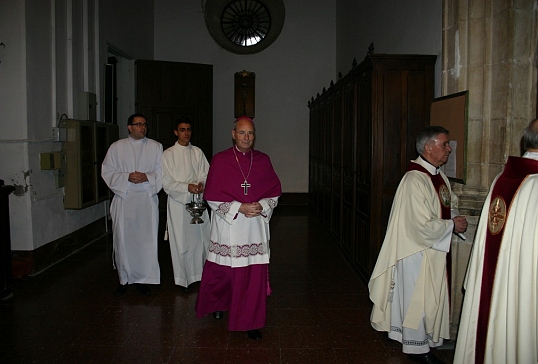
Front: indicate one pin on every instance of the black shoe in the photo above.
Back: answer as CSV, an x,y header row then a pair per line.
x,y
144,289
122,288
427,358
254,334
218,314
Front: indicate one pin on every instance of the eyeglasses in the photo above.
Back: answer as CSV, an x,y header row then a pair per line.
x,y
145,125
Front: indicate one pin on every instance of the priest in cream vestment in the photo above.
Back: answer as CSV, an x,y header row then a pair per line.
x,y
499,316
185,170
408,286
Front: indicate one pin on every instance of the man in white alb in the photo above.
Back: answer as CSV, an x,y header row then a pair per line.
x,y
132,170
185,170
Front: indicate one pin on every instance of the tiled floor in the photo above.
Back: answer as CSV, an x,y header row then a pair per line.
x,y
318,312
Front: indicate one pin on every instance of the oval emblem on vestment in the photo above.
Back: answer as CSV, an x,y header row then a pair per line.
x,y
496,215
444,195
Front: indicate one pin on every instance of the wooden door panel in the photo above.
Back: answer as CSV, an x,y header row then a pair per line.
x,y
172,80
392,118
201,81
168,90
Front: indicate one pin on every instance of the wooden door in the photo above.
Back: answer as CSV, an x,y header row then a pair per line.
x,y
167,90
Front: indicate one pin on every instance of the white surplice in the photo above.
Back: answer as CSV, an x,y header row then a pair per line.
x,y
409,285
134,208
188,242
237,240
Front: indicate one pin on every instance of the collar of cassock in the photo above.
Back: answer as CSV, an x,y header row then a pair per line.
x,y
430,167
244,153
531,155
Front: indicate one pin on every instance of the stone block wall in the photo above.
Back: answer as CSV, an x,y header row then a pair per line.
x,y
489,50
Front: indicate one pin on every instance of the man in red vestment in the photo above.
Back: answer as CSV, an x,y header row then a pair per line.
x,y
499,315
242,189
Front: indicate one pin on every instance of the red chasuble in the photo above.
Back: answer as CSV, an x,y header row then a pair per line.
x,y
443,192
227,176
506,187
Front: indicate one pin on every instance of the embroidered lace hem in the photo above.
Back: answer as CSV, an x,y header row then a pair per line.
x,y
238,251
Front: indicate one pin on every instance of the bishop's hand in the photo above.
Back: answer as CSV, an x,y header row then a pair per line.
x,y
252,209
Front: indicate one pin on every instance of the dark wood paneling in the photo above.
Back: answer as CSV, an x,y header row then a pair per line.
x,y
362,137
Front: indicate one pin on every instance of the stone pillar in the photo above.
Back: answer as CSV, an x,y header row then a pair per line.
x,y
489,49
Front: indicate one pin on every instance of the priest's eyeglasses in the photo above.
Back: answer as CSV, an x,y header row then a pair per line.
x,y
145,125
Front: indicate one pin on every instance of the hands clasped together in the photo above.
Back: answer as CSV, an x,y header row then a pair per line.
x,y
138,177
252,209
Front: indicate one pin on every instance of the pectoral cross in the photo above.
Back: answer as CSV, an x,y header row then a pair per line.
x,y
245,186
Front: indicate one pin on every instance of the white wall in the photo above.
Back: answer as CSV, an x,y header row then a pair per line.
x,y
394,26
13,102
52,52
288,73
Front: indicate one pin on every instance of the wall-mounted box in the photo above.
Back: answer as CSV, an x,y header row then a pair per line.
x,y
51,160
85,148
